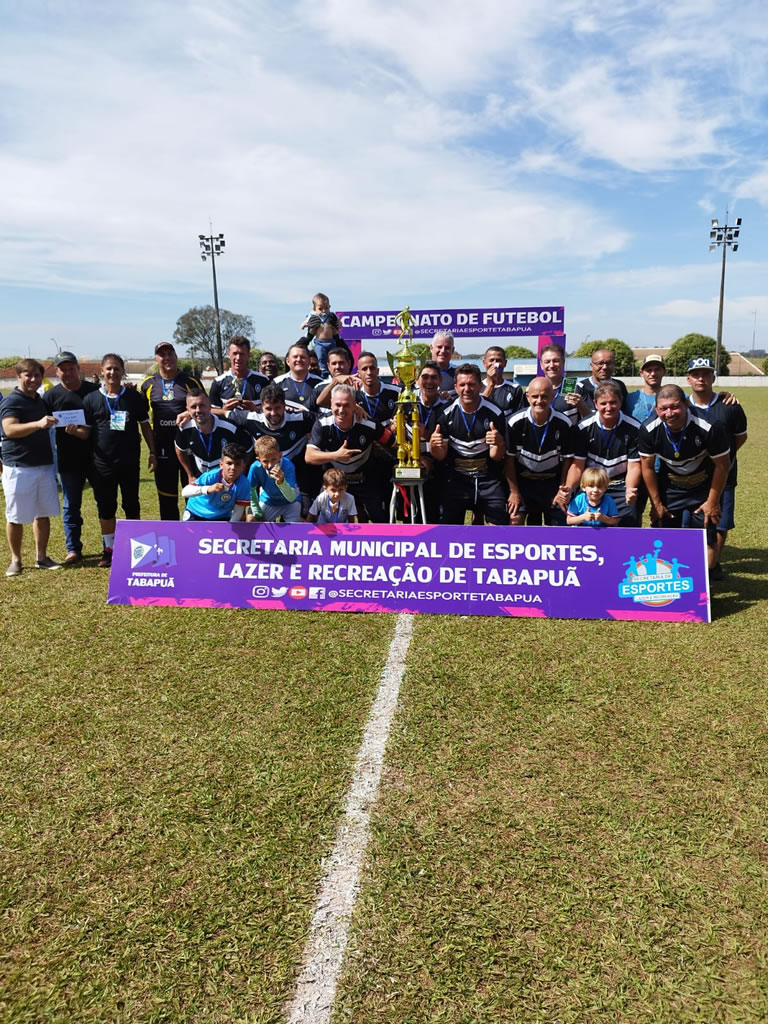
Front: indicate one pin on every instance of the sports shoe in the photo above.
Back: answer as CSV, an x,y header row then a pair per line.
x,y
716,573
73,557
105,561
14,569
47,563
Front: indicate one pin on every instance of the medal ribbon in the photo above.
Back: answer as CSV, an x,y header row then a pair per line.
x,y
372,411
671,440
540,440
113,408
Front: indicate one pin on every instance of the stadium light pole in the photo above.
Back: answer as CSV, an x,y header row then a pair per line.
x,y
725,235
213,246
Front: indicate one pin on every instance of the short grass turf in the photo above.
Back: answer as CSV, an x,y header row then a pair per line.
x,y
574,821
170,781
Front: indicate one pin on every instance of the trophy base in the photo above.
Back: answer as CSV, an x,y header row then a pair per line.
x,y
408,473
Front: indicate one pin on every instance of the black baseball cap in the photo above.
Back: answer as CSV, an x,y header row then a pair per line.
x,y
64,357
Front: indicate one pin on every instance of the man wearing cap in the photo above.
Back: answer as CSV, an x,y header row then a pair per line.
x,y
166,391
693,460
73,448
716,409
642,403
239,387
29,479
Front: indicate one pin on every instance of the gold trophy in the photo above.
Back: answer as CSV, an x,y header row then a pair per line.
x,y
406,366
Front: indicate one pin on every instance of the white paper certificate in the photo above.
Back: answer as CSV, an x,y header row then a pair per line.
x,y
64,417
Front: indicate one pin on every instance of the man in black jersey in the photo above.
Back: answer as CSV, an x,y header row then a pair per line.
x,y
73,449
166,392
716,408
340,440
268,365
430,405
291,428
608,440
239,386
603,363
378,402
540,443
694,459
505,394
298,383
441,349
469,441
200,441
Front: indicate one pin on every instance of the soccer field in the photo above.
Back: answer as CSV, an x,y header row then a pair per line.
x,y
572,823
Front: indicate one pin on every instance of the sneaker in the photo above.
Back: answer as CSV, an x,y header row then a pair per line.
x,y
716,572
73,557
47,563
105,561
14,569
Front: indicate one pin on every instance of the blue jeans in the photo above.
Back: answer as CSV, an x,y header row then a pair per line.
x,y
72,485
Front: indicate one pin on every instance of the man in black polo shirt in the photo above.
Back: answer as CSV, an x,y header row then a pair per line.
x,y
200,440
29,479
694,459
298,383
716,408
239,386
441,349
505,394
340,440
291,428
540,443
608,440
469,441
603,363
73,449
166,392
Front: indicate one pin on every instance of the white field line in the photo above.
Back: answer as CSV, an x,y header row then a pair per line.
x,y
324,952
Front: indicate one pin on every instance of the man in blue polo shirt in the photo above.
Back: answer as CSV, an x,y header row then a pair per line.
x,y
29,478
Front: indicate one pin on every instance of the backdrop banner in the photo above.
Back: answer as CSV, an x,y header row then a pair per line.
x,y
507,322
550,572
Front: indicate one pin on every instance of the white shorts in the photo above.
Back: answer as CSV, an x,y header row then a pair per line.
x,y
30,493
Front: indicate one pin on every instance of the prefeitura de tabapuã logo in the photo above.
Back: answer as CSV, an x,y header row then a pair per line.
x,y
655,581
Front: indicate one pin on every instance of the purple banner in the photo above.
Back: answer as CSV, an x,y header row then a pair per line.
x,y
548,572
512,322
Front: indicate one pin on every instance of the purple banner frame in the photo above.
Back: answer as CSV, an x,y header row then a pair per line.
x,y
501,322
544,572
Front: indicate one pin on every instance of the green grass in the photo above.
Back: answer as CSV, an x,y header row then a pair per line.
x,y
572,826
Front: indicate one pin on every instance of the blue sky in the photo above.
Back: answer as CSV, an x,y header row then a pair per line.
x,y
436,154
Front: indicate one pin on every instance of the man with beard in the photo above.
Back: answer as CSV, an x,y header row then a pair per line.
x,y
200,441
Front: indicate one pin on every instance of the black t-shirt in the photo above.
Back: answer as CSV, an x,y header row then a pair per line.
x,y
167,398
684,458
291,434
508,396
732,418
586,390
611,450
300,393
327,437
380,408
539,451
227,386
35,449
112,448
74,455
204,450
468,454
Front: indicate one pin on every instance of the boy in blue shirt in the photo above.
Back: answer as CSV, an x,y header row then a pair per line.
x,y
272,479
592,506
222,494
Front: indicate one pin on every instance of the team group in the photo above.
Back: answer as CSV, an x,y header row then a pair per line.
x,y
303,446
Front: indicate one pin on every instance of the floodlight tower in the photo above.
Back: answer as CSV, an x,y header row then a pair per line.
x,y
213,246
725,235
